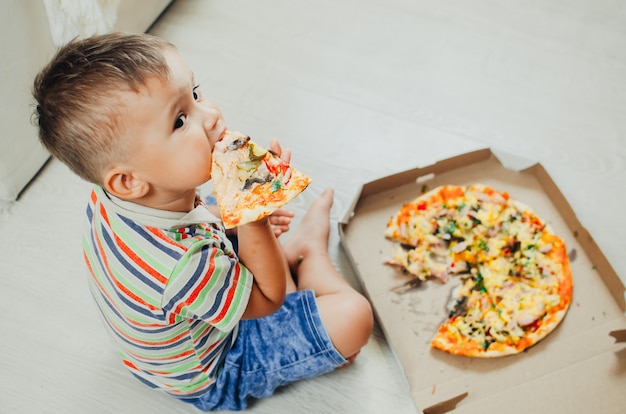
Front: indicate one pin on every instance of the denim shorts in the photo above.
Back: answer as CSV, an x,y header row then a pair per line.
x,y
288,345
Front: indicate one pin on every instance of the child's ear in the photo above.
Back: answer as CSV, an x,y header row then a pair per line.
x,y
125,184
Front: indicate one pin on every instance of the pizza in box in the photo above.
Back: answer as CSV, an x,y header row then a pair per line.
x,y
516,283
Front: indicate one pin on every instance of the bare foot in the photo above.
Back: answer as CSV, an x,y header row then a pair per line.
x,y
312,234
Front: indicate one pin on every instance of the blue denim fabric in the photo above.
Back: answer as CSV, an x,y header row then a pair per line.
x,y
289,345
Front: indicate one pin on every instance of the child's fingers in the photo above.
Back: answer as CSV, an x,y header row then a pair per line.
x,y
281,212
284,154
278,230
280,221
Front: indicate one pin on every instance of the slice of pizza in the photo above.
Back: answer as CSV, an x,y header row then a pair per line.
x,y
251,182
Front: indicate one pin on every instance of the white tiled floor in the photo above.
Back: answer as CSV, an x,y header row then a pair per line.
x,y
357,89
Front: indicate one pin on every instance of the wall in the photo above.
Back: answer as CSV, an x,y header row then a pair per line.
x,y
25,46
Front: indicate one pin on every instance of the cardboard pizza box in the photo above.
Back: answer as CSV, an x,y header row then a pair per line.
x,y
579,367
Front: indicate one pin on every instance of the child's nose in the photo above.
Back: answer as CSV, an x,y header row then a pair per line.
x,y
211,118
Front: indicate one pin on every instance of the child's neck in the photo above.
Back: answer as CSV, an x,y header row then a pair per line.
x,y
168,201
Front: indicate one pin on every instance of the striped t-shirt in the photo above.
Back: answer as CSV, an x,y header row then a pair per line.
x,y
170,289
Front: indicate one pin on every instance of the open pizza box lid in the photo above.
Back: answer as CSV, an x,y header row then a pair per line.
x,y
579,367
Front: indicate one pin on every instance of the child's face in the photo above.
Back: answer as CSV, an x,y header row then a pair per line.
x,y
171,129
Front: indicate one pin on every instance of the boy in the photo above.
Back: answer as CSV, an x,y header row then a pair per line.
x,y
191,316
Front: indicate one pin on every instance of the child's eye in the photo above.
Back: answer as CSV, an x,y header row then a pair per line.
x,y
196,92
180,121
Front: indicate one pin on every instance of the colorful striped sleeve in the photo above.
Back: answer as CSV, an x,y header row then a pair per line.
x,y
209,285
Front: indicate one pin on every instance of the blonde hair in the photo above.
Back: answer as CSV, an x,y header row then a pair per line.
x,y
76,94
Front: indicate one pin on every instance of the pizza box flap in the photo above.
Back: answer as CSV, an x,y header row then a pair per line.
x,y
582,354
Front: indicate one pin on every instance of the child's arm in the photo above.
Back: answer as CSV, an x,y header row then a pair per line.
x,y
261,253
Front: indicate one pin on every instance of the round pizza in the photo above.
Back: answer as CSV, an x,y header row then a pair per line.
x,y
516,283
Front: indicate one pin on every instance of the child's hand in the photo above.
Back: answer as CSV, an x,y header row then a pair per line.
x,y
280,220
275,147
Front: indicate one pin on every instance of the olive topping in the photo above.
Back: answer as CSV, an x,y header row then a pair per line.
x,y
238,143
256,180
